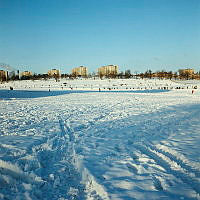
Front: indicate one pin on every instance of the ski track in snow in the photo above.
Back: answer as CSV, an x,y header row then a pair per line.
x,y
100,146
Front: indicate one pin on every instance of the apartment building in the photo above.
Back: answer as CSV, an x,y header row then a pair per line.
x,y
186,73
80,71
26,73
54,72
109,70
3,75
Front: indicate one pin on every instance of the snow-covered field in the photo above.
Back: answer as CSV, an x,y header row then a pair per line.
x,y
133,139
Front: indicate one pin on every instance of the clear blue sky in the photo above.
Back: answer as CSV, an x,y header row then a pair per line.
x,y
38,35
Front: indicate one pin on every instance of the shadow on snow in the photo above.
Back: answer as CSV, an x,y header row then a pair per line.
x,y
20,94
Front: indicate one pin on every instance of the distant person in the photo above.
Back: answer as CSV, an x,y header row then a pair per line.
x,y
11,88
192,91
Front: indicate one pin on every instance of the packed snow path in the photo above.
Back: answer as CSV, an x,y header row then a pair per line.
x,y
101,146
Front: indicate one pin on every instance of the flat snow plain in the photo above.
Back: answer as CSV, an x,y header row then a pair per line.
x,y
133,139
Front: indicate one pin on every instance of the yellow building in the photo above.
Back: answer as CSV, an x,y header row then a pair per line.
x,y
186,73
54,72
26,73
3,75
80,71
109,70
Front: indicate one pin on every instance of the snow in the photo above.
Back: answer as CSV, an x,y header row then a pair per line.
x,y
133,139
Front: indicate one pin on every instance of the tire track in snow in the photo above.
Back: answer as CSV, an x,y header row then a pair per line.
x,y
169,163
170,166
177,160
49,169
93,189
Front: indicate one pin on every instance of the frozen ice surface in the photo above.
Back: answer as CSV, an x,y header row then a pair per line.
x,y
135,139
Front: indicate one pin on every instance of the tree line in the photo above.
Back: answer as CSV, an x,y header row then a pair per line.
x,y
121,75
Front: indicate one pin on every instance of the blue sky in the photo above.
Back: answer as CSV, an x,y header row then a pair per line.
x,y
38,35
